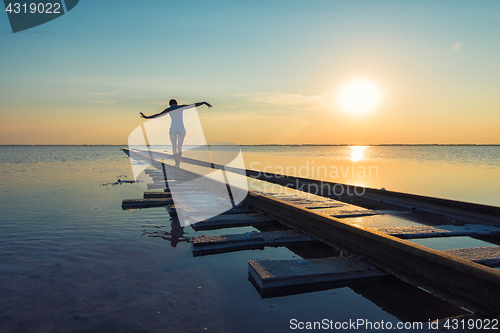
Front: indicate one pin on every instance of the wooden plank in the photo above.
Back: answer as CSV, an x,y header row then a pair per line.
x,y
218,218
346,212
314,204
461,282
250,240
228,221
286,273
161,176
426,231
150,195
170,178
328,206
318,205
161,194
178,188
145,203
488,256
204,211
154,186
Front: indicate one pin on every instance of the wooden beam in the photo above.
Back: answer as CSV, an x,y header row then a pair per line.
x,y
145,203
286,273
463,282
247,241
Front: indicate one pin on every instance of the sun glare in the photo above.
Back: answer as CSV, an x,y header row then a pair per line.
x,y
359,97
357,153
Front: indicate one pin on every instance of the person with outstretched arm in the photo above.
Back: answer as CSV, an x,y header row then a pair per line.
x,y
177,129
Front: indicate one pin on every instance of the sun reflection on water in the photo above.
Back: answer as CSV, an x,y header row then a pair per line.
x,y
357,153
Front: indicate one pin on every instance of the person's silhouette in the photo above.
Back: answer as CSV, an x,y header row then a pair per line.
x,y
177,129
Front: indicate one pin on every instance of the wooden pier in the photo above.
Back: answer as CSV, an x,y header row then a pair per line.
x,y
460,276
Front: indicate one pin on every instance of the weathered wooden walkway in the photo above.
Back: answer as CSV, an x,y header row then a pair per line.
x,y
460,276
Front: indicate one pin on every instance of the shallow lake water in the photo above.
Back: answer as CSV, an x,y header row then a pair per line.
x,y
72,260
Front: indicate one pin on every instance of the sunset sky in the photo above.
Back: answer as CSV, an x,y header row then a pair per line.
x,y
272,70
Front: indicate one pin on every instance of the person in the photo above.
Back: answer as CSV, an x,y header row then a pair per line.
x,y
177,130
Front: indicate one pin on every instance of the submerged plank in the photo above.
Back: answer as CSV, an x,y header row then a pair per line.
x,y
228,221
440,231
488,256
182,188
219,218
145,203
155,186
250,240
207,210
285,273
182,184
149,195
459,281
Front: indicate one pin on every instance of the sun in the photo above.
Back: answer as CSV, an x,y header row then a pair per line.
x,y
359,97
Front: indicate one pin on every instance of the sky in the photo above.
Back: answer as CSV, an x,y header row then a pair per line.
x,y
271,69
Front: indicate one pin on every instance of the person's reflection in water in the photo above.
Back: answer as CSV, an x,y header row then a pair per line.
x,y
175,236
176,233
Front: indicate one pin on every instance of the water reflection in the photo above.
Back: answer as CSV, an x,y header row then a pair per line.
x,y
174,236
357,153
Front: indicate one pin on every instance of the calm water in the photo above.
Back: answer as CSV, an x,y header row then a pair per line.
x,y
72,260
454,172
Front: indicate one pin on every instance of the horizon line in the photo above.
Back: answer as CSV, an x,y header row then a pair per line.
x,y
287,144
